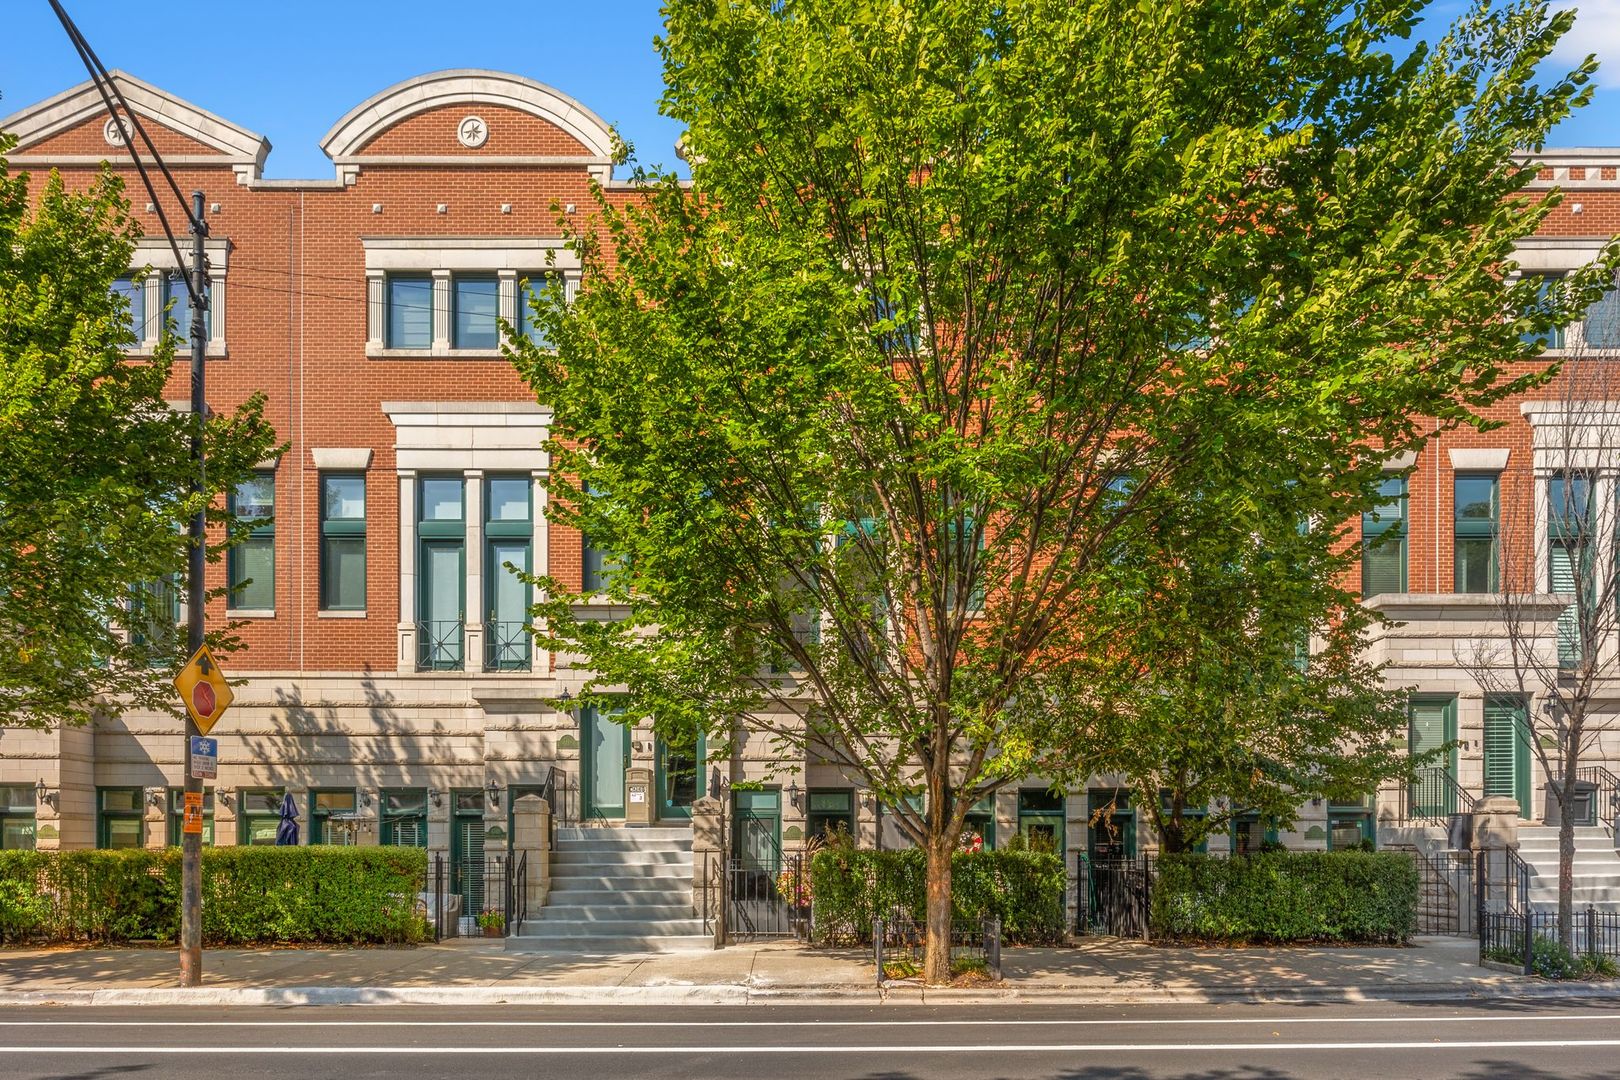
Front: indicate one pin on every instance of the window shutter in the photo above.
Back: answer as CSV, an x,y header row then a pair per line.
x,y
1561,572
1504,721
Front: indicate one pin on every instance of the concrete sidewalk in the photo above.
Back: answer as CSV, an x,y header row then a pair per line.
x,y
1100,971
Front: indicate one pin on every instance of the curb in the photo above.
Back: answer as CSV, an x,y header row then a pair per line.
x,y
739,994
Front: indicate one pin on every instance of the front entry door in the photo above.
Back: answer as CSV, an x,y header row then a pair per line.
x,y
680,774
1433,724
605,744
757,838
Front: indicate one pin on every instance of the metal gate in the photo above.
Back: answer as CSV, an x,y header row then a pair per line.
x,y
756,892
1446,902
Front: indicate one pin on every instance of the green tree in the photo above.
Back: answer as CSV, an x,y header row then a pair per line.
x,y
1243,689
873,412
94,466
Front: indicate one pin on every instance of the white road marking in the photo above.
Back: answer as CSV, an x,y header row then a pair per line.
x,y
965,1022
1003,1048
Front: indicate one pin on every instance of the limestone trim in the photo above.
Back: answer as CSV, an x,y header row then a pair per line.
x,y
1478,460
468,86
334,458
80,103
157,257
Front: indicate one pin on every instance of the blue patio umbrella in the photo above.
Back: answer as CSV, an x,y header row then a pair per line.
x,y
287,831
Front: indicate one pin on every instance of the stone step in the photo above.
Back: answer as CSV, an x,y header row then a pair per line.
x,y
616,847
571,928
611,946
575,832
593,891
1545,832
616,913
600,868
585,857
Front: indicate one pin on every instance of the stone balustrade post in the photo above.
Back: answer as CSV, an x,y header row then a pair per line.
x,y
707,856
1494,832
531,842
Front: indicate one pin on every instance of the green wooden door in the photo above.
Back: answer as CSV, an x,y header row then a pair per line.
x,y
757,829
1433,724
1507,751
605,745
467,849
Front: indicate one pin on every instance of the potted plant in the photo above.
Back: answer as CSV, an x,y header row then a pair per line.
x,y
492,922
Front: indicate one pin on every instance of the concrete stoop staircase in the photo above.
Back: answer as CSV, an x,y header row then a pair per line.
x,y
1597,867
616,890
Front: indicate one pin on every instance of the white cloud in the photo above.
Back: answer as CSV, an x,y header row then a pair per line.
x,y
1596,32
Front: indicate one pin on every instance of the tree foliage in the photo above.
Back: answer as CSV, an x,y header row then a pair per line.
x,y
94,465
970,299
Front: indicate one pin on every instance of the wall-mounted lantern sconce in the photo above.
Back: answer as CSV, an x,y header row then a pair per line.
x,y
493,789
795,796
155,798
436,796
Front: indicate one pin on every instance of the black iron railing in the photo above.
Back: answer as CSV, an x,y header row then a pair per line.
x,y
471,897
508,646
1433,795
1605,795
440,645
1445,891
899,943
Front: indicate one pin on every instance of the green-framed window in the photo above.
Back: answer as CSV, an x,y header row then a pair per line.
x,y
258,816
1040,819
1111,829
1249,832
16,817
981,820
1554,337
1570,544
120,818
132,290
404,818
154,618
175,292
252,562
1383,539
441,568
962,533
827,810
1350,825
1476,511
177,817
474,307
1601,328
410,311
343,542
332,817
508,538
537,285
1189,814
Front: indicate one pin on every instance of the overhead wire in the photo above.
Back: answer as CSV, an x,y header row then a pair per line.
x,y
108,89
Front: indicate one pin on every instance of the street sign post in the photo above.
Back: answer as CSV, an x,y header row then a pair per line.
x,y
204,758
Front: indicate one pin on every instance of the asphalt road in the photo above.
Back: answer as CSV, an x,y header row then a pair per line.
x,y
1522,1041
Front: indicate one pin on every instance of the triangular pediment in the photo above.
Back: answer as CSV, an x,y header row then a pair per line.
x,y
75,122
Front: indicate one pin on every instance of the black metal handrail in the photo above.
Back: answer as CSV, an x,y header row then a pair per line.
x,y
1606,804
1433,794
440,645
508,646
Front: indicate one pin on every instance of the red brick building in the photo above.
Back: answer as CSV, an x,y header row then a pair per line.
x,y
391,689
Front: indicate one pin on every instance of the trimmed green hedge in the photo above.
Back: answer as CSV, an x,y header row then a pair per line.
x,y
251,895
850,888
1286,896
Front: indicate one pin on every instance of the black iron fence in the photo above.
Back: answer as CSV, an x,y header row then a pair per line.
x,y
899,942
1446,903
1114,896
475,896
746,899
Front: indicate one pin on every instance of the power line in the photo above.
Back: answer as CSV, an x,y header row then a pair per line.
x,y
108,89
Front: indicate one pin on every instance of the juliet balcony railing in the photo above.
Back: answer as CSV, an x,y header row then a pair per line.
x,y
440,645
508,646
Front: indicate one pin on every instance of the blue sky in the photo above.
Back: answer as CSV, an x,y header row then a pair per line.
x,y
289,69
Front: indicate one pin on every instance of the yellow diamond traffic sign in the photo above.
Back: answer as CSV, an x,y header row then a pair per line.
x,y
203,690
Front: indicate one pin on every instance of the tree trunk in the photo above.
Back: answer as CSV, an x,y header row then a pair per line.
x,y
937,958
1566,854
